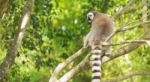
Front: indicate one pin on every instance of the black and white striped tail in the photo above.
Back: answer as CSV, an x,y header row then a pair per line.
x,y
96,65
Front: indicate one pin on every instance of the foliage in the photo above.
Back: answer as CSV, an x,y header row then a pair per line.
x,y
56,31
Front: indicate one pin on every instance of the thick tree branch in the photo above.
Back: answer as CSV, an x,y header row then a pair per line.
x,y
79,67
12,51
128,76
126,49
62,65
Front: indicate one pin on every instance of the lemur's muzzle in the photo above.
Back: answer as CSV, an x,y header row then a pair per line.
x,y
89,19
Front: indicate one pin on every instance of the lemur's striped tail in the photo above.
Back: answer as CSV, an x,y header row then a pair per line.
x,y
96,65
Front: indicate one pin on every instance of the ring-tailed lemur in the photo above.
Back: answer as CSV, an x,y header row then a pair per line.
x,y
101,29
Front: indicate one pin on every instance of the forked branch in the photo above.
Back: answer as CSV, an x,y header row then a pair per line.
x,y
61,66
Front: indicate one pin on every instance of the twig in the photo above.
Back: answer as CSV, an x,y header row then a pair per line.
x,y
125,9
7,41
127,42
128,76
125,28
131,27
119,13
128,48
139,20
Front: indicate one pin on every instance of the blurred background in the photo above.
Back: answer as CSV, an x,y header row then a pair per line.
x,y
56,30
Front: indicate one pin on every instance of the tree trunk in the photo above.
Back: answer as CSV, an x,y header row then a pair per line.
x,y
12,51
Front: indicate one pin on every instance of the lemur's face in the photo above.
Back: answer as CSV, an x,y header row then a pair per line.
x,y
90,17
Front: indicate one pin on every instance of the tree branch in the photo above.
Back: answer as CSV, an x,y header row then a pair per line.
x,y
128,76
3,7
79,67
12,51
118,14
145,15
125,28
125,9
138,20
126,49
62,65
127,42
